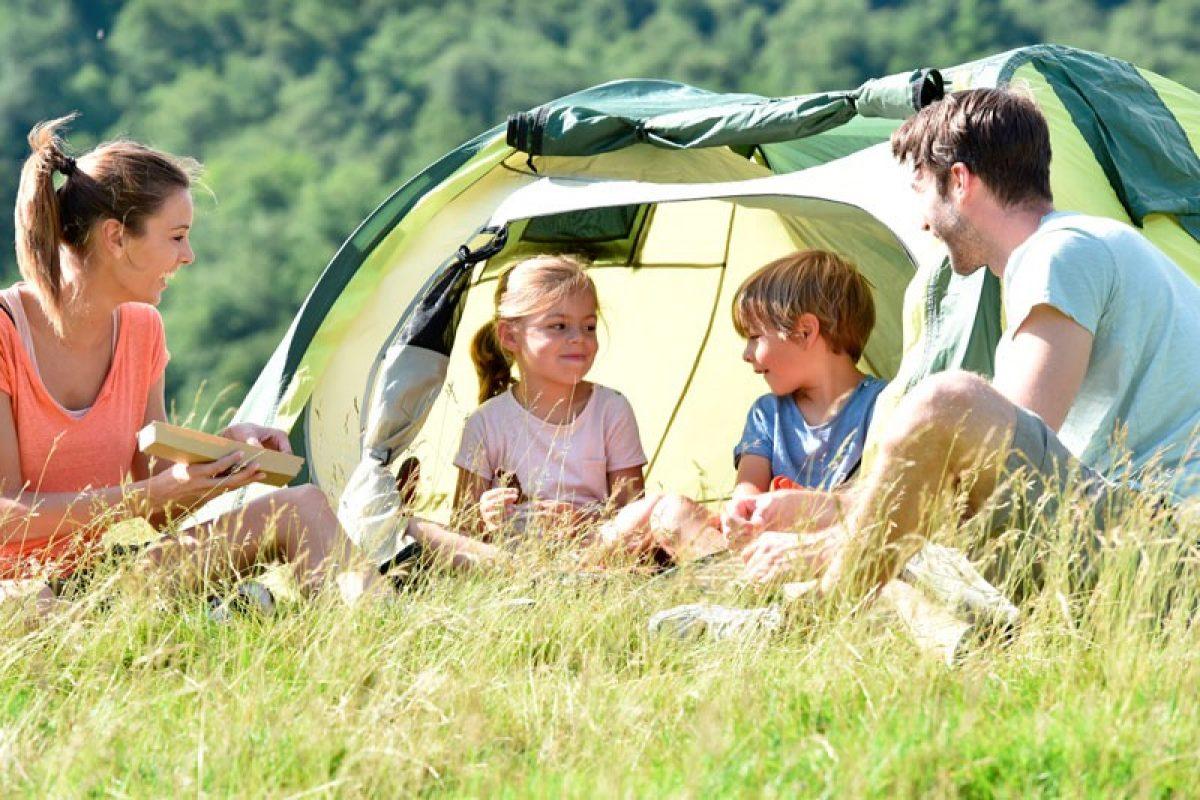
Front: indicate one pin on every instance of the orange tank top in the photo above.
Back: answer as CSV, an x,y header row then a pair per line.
x,y
62,451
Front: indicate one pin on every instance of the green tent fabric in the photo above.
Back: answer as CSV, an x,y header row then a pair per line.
x,y
1143,149
830,167
675,116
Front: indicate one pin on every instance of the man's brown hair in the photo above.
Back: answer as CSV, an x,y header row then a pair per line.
x,y
999,134
813,282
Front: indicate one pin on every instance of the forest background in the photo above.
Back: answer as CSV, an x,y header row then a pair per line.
x,y
309,113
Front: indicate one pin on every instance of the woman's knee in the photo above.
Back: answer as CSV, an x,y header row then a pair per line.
x,y
307,501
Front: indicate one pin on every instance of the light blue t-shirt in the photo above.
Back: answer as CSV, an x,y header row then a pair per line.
x,y
818,456
1139,398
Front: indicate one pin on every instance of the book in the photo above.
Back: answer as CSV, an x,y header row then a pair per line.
x,y
184,445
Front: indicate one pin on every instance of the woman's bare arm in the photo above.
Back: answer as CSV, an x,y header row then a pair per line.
x,y
29,517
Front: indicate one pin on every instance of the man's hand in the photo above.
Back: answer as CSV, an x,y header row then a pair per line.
x,y
775,555
259,436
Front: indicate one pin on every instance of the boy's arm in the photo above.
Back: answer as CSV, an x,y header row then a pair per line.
x,y
753,475
753,478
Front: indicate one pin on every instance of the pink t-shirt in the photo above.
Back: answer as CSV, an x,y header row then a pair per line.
x,y
65,452
569,462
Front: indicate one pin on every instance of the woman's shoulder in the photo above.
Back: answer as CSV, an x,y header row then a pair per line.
x,y
142,315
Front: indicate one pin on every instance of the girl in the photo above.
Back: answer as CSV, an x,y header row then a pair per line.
x,y
82,358
550,446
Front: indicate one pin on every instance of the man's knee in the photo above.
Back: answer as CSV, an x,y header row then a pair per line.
x,y
941,407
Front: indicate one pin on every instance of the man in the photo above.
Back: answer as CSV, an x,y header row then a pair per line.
x,y
1102,347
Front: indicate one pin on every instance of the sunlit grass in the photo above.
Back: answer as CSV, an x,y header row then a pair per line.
x,y
459,685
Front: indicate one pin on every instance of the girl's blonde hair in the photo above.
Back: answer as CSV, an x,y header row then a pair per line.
x,y
531,287
119,180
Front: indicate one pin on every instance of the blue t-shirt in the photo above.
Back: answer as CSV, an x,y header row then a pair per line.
x,y
817,456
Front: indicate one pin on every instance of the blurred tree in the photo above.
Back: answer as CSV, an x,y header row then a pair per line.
x,y
308,113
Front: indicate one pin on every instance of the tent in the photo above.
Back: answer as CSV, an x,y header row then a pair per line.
x,y
677,194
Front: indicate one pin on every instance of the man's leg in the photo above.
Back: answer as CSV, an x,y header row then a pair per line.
x,y
949,437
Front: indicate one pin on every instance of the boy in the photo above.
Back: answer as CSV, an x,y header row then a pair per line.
x,y
806,318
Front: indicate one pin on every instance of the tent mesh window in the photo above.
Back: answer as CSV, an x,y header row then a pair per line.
x,y
588,226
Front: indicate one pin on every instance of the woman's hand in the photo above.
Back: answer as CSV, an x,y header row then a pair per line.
x,y
189,485
496,507
259,436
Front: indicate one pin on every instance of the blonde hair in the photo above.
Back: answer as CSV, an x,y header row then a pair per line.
x,y
813,282
119,180
531,287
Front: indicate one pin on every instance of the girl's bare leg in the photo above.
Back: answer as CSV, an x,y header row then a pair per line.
x,y
678,525
459,551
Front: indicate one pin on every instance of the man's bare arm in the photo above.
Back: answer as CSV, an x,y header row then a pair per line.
x,y
1045,365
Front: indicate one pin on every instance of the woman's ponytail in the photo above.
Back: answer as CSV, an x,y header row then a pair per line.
x,y
38,215
119,180
491,363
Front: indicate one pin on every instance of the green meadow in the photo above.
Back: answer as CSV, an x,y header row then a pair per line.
x,y
537,680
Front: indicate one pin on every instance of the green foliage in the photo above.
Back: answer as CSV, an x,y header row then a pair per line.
x,y
308,114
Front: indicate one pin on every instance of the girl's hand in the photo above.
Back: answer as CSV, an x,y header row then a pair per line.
x,y
259,436
496,507
189,485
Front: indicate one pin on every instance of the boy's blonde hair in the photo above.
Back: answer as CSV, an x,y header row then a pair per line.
x,y
813,282
534,285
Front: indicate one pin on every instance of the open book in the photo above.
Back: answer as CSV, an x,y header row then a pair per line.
x,y
173,443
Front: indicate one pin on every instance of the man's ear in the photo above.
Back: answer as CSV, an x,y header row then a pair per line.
x,y
962,182
112,236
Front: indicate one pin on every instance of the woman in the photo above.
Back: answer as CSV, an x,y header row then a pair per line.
x,y
82,359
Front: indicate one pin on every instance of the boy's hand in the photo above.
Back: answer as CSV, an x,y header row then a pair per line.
x,y
737,521
496,506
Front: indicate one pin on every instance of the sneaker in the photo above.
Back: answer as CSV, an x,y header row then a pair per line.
x,y
716,622
250,597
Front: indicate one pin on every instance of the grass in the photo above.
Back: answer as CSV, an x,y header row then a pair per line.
x,y
452,688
